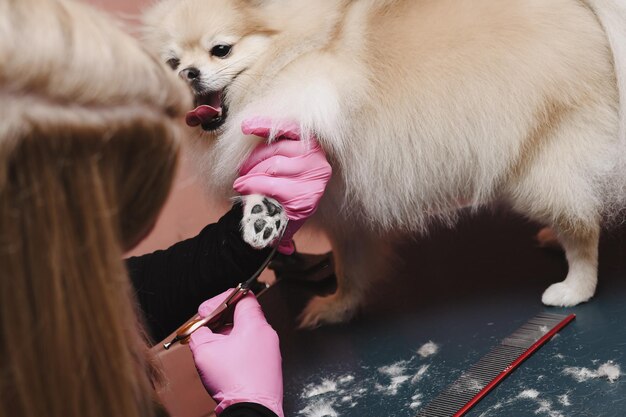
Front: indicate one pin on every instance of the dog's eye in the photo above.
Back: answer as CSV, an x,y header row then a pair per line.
x,y
221,51
173,63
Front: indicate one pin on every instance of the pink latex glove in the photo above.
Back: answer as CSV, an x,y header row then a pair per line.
x,y
291,171
242,364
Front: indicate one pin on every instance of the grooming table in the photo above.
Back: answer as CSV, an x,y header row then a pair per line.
x,y
464,289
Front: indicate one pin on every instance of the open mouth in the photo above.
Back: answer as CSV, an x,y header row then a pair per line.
x,y
209,113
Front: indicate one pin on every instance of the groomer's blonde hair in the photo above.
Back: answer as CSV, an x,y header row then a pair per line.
x,y
88,150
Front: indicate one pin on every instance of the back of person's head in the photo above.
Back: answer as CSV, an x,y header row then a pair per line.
x,y
88,150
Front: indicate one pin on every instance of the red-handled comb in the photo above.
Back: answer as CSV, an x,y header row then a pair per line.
x,y
474,384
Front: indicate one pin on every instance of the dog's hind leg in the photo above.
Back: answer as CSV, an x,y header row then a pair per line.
x,y
564,200
579,236
560,184
581,251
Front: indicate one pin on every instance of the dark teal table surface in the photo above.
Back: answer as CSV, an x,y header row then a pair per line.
x,y
464,289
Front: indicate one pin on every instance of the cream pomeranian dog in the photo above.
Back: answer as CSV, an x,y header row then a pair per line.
x,y
422,107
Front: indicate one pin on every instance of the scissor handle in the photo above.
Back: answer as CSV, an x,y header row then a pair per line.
x,y
213,321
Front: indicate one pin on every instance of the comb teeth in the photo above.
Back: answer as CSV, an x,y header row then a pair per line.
x,y
484,375
533,330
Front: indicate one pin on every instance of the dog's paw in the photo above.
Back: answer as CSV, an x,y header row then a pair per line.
x,y
564,294
263,220
326,310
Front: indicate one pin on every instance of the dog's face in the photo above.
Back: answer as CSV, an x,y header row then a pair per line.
x,y
212,45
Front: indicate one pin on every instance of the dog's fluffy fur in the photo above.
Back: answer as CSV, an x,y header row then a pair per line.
x,y
423,106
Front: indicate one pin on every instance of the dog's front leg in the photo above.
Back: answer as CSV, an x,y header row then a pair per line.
x,y
360,260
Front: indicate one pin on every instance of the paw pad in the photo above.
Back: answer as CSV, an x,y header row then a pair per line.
x,y
263,220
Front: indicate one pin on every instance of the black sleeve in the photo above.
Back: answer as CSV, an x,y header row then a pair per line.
x,y
170,284
247,410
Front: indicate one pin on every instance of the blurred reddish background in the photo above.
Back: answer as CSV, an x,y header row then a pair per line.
x,y
187,211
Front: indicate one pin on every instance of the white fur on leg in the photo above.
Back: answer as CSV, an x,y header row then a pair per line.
x,y
263,221
567,293
580,284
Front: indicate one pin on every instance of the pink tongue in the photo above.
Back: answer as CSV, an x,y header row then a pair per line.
x,y
201,114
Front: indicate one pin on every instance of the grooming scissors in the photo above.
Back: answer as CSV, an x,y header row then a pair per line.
x,y
216,319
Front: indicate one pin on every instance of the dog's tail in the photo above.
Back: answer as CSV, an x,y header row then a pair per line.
x,y
612,17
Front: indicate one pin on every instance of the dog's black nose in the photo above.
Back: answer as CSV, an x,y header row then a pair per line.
x,y
190,73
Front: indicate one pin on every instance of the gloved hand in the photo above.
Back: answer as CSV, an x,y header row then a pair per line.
x,y
289,170
242,364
